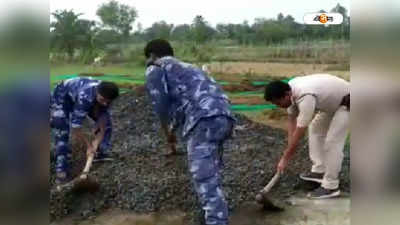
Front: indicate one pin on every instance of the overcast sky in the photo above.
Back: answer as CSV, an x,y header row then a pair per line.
x,y
214,11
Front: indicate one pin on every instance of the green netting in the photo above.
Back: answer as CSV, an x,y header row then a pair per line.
x,y
63,77
263,83
255,93
224,82
123,78
252,107
124,90
116,78
259,83
127,79
247,93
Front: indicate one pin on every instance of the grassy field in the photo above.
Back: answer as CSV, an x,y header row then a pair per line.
x,y
309,52
237,71
134,70
229,71
235,64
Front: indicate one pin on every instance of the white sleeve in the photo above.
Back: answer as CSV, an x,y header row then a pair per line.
x,y
306,106
293,110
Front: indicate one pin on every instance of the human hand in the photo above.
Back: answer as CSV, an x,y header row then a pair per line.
x,y
283,162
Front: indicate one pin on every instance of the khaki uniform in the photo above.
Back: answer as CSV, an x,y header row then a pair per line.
x,y
317,103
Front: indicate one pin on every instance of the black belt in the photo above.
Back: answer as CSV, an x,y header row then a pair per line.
x,y
346,101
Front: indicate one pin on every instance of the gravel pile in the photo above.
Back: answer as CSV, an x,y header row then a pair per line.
x,y
142,180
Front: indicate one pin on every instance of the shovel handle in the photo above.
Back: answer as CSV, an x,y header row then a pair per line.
x,y
271,183
86,170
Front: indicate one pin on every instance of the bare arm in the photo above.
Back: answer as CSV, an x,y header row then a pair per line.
x,y
171,139
298,125
291,127
296,129
291,149
99,133
296,137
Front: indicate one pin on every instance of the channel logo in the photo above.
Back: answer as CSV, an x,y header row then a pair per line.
x,y
323,18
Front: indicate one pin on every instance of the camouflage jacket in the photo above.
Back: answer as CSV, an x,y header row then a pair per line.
x,y
182,94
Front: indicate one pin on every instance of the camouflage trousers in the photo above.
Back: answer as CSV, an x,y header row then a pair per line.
x,y
205,148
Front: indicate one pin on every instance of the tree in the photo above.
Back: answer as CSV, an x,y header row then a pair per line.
x,y
68,32
159,30
118,17
280,17
201,31
343,30
242,33
289,20
139,27
271,31
340,9
181,32
105,37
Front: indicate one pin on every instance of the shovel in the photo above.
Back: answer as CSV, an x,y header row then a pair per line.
x,y
263,198
83,183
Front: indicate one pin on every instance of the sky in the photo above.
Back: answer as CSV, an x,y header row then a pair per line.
x,y
214,11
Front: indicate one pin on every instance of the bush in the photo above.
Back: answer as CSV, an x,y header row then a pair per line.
x,y
113,54
192,52
136,56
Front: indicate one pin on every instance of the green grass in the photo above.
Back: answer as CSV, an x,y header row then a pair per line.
x,y
134,71
316,51
333,52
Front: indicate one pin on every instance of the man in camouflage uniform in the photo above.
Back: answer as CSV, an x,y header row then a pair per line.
x,y
71,102
183,96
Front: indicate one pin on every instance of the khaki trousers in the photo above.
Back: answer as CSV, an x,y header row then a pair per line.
x,y
327,137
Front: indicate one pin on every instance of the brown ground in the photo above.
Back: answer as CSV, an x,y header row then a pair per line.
x,y
276,118
235,71
137,88
140,90
253,100
127,85
239,88
91,74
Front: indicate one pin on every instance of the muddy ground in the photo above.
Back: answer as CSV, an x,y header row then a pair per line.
x,y
234,71
142,180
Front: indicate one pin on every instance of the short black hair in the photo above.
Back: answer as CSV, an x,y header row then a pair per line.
x,y
159,48
108,90
276,90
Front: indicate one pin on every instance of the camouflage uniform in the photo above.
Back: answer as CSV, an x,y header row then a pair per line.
x,y
183,96
72,100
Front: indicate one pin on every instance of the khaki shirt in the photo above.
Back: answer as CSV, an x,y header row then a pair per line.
x,y
313,93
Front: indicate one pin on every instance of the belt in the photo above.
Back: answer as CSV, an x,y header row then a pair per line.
x,y
346,101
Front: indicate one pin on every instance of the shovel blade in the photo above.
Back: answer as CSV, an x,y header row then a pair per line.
x,y
267,203
86,185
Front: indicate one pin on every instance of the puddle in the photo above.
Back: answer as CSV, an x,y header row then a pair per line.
x,y
300,211
117,217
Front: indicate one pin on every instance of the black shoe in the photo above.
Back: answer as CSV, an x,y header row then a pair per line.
x,y
102,157
315,177
322,193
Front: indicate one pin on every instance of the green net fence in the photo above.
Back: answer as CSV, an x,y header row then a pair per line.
x,y
129,80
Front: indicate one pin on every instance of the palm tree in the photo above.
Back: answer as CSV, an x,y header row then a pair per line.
x,y
67,31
